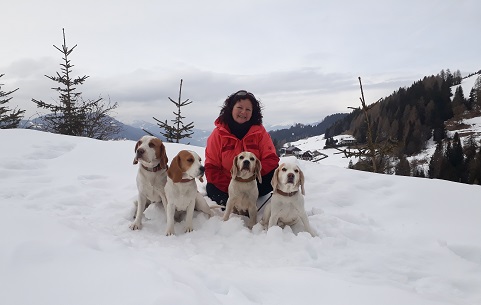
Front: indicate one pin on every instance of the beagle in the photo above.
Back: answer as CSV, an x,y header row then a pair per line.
x,y
151,156
181,189
242,188
287,203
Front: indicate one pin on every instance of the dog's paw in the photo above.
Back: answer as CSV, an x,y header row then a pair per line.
x,y
135,226
189,229
313,234
169,232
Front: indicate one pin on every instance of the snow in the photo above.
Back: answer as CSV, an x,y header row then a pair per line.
x,y
67,205
335,157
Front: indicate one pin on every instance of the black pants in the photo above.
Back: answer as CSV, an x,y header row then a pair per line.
x,y
221,198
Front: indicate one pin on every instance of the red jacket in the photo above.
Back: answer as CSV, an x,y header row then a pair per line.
x,y
223,146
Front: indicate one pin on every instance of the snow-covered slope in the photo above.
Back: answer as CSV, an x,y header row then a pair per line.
x,y
67,205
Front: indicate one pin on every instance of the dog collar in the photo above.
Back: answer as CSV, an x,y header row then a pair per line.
x,y
245,180
290,194
153,169
186,180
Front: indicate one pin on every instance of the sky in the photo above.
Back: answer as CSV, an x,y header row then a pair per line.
x,y
301,59
68,203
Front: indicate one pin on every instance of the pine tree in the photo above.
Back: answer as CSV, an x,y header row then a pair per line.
x,y
9,118
73,115
477,92
457,155
457,160
448,170
436,161
403,167
476,168
470,150
178,130
457,77
67,116
459,102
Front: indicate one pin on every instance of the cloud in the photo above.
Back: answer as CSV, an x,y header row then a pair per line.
x,y
304,95
301,59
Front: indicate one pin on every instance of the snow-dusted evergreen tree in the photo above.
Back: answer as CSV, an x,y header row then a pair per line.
x,y
475,94
459,102
177,131
436,162
73,115
9,118
403,168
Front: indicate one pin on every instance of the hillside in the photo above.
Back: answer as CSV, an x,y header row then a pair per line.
x,y
411,116
302,131
67,238
419,117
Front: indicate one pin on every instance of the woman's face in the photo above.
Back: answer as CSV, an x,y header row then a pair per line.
x,y
242,111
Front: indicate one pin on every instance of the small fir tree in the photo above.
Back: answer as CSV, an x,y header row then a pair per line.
x,y
66,117
73,115
9,118
459,102
178,130
436,161
403,167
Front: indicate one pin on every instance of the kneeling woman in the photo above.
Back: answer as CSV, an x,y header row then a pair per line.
x,y
238,128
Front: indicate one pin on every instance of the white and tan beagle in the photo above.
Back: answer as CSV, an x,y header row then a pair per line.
x,y
242,189
151,156
287,203
181,189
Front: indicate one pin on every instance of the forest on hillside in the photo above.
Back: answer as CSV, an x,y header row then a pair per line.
x,y
410,117
300,131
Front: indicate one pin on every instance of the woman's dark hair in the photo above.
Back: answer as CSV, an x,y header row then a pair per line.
x,y
225,115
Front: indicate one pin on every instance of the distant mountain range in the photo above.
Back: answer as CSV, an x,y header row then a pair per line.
x,y
303,131
134,131
199,137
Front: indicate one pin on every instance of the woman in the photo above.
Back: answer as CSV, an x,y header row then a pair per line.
x,y
238,128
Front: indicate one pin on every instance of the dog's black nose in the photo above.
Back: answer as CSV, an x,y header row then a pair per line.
x,y
140,152
202,169
246,164
290,177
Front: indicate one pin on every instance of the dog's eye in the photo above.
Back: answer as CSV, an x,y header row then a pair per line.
x,y
252,159
296,171
241,157
151,145
284,169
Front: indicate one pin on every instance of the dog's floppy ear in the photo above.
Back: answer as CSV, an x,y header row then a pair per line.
x,y
301,181
234,170
163,156
275,178
258,169
175,171
135,150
